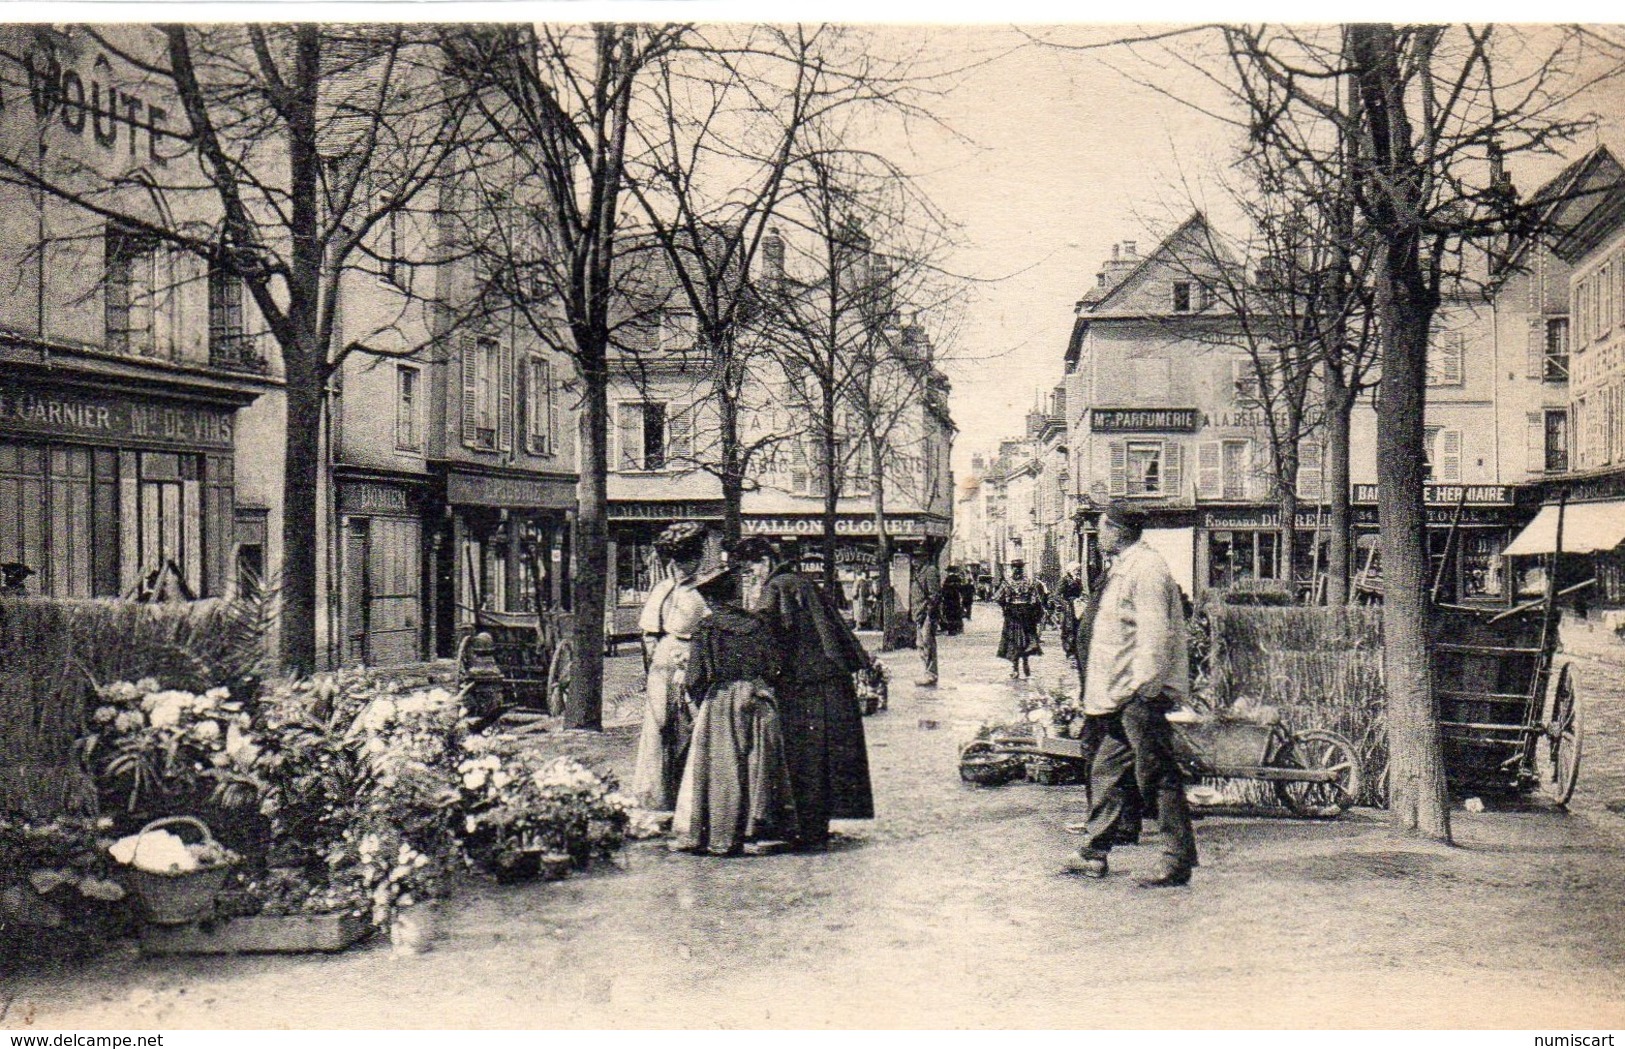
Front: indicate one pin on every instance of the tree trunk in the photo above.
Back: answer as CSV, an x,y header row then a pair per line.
x,y
1416,781
305,367
301,475
832,489
585,707
732,473
1339,416
883,554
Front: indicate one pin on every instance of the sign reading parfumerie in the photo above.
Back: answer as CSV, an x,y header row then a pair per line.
x,y
1143,420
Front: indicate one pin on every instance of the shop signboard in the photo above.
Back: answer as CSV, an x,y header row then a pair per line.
x,y
1144,420
69,414
1448,494
520,493
795,527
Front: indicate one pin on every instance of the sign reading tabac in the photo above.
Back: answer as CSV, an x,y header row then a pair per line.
x,y
1143,420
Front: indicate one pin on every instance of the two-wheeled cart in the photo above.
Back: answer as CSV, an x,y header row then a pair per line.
x,y
1315,773
1509,702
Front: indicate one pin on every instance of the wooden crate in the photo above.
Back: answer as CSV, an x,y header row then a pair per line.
x,y
257,934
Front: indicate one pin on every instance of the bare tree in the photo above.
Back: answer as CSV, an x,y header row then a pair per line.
x,y
292,145
558,99
1407,115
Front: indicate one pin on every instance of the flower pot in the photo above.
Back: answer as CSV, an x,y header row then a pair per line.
x,y
414,930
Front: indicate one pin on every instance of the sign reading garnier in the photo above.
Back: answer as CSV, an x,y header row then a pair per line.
x,y
1143,420
70,414
1477,494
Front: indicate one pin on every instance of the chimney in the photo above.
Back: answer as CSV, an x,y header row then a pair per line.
x,y
1128,249
773,255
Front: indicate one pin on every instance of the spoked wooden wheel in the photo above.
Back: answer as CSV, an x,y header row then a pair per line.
x,y
1321,751
1561,745
560,673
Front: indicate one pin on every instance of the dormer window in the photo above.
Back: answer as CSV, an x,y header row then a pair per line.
x,y
1182,296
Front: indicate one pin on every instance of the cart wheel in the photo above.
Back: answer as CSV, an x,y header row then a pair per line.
x,y
1564,735
1319,749
560,672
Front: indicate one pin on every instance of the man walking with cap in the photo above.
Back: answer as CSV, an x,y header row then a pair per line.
x,y
1137,671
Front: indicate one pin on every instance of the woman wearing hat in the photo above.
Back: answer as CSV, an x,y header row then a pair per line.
x,y
818,703
1022,601
736,794
668,621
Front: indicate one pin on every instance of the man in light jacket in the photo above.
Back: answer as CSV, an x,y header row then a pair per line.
x,y
1137,671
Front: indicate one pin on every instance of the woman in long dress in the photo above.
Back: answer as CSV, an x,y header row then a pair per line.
x,y
668,621
736,793
1022,602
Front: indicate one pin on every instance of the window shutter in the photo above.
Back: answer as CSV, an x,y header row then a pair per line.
x,y
1455,353
1173,469
1450,456
1536,365
550,402
680,435
471,391
1535,442
1210,470
1311,471
629,436
505,388
1260,481
1119,468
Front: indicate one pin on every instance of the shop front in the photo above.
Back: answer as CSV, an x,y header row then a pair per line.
x,y
1590,512
380,550
110,489
857,549
505,546
1469,528
634,568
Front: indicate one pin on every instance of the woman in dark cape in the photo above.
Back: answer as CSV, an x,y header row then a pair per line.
x,y
736,794
818,704
1022,602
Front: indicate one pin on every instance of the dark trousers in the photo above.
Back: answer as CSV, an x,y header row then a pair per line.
x,y
1137,750
927,641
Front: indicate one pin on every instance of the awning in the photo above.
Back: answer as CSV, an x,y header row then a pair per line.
x,y
1587,527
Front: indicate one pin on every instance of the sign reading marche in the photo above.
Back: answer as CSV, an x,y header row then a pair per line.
x,y
1143,420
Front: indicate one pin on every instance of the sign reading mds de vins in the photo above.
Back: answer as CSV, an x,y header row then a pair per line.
x,y
70,414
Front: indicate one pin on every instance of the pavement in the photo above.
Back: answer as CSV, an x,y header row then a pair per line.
x,y
951,910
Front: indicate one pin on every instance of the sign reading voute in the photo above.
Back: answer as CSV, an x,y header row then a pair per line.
x,y
72,414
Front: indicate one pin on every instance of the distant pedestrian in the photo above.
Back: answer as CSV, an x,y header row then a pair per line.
x,y
670,615
925,607
951,607
1069,593
1022,602
14,579
818,703
1138,671
967,591
736,793
863,602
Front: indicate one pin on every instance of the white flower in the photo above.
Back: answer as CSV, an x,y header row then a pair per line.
x,y
128,721
474,779
167,712
240,745
217,693
208,731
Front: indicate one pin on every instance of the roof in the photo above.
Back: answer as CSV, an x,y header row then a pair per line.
x,y
1565,209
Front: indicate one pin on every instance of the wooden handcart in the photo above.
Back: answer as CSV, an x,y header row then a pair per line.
x,y
1509,702
1315,774
536,652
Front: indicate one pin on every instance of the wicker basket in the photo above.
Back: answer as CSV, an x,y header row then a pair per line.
x,y
981,764
182,896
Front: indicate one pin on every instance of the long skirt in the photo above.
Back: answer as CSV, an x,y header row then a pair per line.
x,y
1020,637
663,741
736,785
829,760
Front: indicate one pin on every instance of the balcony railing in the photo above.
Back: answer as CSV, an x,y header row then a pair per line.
x,y
237,353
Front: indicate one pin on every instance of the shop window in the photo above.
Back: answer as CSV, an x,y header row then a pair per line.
x,y
408,381
653,435
168,522
139,290
636,569
541,406
1243,556
1555,440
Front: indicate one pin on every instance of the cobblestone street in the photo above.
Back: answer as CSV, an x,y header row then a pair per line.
x,y
949,910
